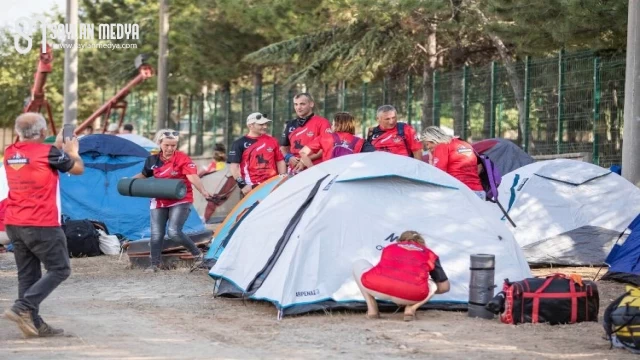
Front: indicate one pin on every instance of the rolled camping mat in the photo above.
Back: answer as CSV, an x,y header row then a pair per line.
x,y
172,189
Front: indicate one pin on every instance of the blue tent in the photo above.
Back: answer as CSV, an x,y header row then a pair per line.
x,y
623,260
94,194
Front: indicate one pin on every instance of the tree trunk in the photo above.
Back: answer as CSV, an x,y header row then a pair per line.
x,y
228,122
486,124
427,78
257,89
514,79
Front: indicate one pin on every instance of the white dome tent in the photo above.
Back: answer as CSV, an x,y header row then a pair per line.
x,y
297,247
568,212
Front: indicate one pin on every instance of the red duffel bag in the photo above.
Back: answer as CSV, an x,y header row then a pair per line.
x,y
556,299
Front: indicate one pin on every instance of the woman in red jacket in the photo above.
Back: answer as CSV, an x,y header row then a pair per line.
x,y
453,156
408,274
343,134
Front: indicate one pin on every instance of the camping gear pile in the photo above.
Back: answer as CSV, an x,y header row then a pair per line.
x,y
622,320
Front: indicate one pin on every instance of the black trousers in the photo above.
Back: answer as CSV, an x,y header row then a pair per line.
x,y
33,246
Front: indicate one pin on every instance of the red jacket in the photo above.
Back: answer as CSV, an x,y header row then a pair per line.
x,y
403,271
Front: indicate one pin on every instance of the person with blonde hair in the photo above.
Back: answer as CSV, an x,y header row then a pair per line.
x,y
170,163
342,135
453,156
408,274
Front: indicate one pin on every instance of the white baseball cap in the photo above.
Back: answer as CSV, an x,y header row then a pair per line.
x,y
257,118
113,127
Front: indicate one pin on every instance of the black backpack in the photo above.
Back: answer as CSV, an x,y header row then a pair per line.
x,y
83,238
400,126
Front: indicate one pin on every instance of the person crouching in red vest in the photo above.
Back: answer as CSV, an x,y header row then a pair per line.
x,y
408,274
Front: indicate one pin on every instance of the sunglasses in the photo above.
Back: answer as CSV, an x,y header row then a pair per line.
x,y
171,133
260,116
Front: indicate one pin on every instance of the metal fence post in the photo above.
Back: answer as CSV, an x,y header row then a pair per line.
x,y
259,99
527,102
384,90
492,122
364,109
596,109
409,98
560,100
344,95
179,109
273,106
190,123
465,102
436,98
324,103
200,135
290,106
215,117
228,134
243,103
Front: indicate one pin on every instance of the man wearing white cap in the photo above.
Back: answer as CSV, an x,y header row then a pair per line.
x,y
256,156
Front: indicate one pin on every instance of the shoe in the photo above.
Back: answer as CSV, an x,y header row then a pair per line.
x,y
24,321
45,330
152,269
198,263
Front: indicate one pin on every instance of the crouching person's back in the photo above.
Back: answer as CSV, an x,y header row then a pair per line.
x,y
408,274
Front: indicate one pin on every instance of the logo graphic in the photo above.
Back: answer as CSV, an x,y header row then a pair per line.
x,y
270,149
410,247
391,238
397,139
247,144
328,131
310,134
24,29
298,144
17,161
260,147
375,136
261,160
464,150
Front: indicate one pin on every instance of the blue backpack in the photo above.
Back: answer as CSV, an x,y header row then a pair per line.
x,y
340,149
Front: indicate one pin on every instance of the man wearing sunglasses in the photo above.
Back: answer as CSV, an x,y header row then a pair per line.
x,y
301,131
255,157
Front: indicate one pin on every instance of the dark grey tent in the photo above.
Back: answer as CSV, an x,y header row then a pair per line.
x,y
505,154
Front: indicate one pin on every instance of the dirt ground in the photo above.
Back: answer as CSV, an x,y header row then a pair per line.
x,y
111,312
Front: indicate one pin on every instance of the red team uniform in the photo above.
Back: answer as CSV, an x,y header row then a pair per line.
x,y
458,160
391,141
257,158
326,143
33,187
299,133
403,272
178,167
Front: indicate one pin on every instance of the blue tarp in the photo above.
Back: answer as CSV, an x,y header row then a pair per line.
x,y
623,260
94,194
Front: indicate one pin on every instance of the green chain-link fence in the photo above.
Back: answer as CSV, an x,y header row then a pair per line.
x,y
572,103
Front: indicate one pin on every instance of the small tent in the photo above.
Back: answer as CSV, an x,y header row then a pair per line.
x,y
504,153
226,228
568,212
624,259
142,141
94,194
296,248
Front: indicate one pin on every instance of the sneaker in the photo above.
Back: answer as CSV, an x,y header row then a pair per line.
x,y
152,269
45,330
24,321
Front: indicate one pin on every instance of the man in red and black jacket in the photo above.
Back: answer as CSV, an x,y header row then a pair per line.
x,y
32,218
255,157
393,136
300,131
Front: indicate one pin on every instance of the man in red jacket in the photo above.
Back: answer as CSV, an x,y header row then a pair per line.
x,y
255,157
32,218
393,136
300,131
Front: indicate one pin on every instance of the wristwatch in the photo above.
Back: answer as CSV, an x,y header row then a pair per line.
x,y
241,182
